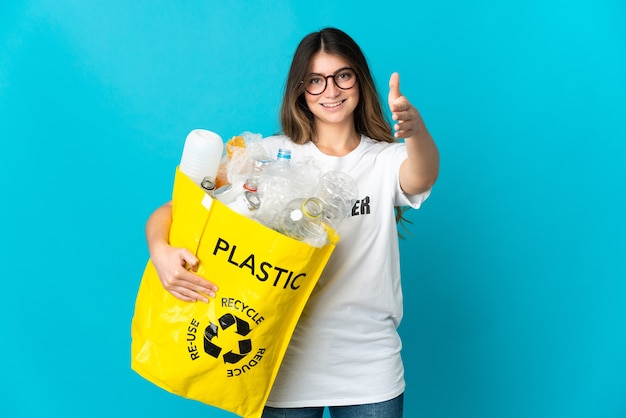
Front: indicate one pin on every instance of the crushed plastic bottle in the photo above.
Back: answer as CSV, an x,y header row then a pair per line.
x,y
301,219
274,185
338,192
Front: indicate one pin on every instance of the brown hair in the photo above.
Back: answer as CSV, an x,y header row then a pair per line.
x,y
296,118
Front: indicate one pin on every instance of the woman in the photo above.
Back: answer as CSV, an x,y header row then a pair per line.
x,y
345,351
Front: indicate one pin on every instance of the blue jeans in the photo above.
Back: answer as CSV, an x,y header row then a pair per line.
x,y
387,409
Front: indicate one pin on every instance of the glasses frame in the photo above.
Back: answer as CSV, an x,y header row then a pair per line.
x,y
326,77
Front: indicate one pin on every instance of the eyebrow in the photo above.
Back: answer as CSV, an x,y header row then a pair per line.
x,y
341,69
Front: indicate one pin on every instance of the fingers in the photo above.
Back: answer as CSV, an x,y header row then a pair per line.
x,y
406,113
176,269
407,118
186,283
188,260
403,130
183,297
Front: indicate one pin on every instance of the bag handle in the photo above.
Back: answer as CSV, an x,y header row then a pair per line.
x,y
191,207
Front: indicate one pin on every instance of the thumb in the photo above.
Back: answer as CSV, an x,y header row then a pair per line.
x,y
394,87
190,260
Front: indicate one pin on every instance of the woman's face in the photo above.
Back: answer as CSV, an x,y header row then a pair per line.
x,y
333,105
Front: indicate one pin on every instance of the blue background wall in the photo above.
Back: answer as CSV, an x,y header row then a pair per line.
x,y
515,275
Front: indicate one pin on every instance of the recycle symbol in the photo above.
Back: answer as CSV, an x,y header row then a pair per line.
x,y
225,322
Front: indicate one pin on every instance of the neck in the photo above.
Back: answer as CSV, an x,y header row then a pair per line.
x,y
336,140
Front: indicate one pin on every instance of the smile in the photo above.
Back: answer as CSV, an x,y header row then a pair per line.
x,y
332,105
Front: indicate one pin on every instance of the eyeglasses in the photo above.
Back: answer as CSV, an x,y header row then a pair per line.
x,y
315,84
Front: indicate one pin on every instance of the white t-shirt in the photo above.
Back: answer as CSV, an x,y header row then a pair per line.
x,y
345,349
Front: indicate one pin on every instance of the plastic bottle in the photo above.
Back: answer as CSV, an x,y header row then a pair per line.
x,y
208,184
246,204
338,192
240,197
274,186
254,176
301,219
201,155
228,192
283,156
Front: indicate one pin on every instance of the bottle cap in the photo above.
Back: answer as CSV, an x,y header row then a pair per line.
x,y
284,154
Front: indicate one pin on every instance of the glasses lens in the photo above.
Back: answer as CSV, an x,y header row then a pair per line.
x,y
345,78
315,84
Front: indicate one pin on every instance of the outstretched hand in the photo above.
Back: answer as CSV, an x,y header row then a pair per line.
x,y
408,121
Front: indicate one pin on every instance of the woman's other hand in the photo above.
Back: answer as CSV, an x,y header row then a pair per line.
x,y
407,119
176,267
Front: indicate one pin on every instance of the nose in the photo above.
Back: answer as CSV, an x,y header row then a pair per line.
x,y
331,87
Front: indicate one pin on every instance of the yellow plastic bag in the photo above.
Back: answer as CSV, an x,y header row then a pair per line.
x,y
225,353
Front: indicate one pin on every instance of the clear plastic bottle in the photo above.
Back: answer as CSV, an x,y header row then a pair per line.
x,y
338,192
201,155
301,219
253,177
280,168
283,157
274,186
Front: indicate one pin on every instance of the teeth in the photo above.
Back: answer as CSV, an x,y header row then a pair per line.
x,y
332,104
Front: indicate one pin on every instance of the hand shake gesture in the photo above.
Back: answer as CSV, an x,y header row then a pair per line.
x,y
419,171
408,121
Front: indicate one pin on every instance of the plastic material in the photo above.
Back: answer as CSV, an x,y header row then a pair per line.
x,y
201,155
301,220
246,203
338,193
